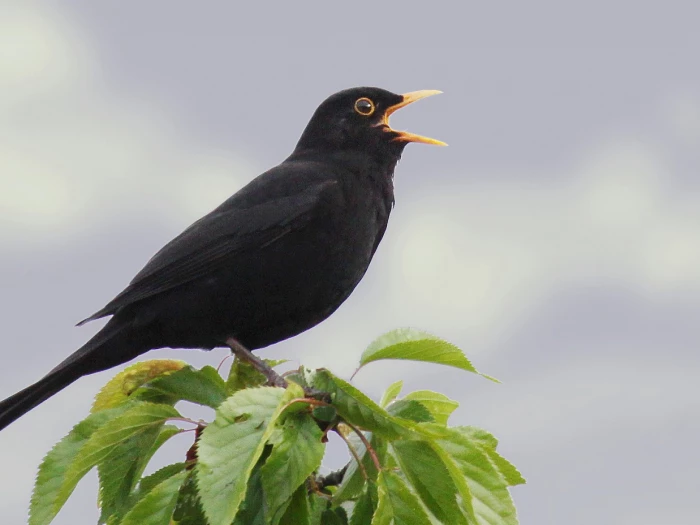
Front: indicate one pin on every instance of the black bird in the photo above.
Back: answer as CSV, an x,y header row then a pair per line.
x,y
272,261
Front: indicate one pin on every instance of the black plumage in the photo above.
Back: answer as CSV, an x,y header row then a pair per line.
x,y
272,261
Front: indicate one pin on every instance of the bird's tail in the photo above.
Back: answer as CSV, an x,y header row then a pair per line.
x,y
109,347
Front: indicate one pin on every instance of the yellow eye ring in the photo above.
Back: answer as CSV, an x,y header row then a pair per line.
x,y
364,106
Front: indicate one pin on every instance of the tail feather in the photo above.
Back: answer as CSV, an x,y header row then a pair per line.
x,y
109,347
23,401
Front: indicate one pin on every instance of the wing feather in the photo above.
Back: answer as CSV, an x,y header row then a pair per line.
x,y
213,240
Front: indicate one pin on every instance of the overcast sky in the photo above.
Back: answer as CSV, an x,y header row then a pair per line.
x,y
556,240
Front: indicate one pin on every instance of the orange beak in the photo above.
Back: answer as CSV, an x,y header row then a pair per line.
x,y
409,98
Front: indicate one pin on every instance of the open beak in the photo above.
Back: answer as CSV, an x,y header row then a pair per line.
x,y
405,136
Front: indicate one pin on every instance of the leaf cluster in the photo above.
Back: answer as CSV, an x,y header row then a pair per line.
x,y
258,461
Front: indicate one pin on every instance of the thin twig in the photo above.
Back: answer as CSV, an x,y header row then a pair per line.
x,y
223,361
246,355
188,420
369,448
354,454
355,372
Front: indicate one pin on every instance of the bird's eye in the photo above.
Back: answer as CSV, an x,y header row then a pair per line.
x,y
364,106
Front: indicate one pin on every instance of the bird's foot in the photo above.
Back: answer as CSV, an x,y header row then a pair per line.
x,y
242,353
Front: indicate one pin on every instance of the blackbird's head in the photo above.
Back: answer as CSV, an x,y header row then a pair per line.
x,y
357,119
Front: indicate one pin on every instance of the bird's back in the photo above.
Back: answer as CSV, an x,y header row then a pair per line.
x,y
272,261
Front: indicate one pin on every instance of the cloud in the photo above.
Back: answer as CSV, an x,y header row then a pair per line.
x,y
681,111
573,400
74,155
490,252
40,54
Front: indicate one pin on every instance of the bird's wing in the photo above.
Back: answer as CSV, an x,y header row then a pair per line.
x,y
211,241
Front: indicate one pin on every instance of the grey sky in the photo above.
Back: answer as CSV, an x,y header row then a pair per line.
x,y
556,240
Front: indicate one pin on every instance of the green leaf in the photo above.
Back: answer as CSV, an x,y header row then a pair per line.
x,y
478,435
298,511
463,488
243,375
509,472
252,509
397,504
432,481
364,507
439,405
48,496
296,454
487,442
148,483
416,345
391,393
157,506
324,413
410,409
204,387
188,509
356,408
334,516
136,419
318,506
300,376
119,389
121,469
491,500
231,445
